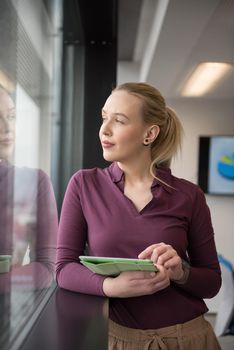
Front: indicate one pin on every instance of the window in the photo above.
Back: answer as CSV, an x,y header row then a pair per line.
x,y
30,59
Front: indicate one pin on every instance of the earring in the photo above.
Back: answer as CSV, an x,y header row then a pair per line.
x,y
146,142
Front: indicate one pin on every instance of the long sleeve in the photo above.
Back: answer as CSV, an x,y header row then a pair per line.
x,y
40,230
32,213
205,276
43,236
47,223
72,237
96,211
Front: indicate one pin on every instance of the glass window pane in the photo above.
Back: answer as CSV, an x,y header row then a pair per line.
x,y
30,59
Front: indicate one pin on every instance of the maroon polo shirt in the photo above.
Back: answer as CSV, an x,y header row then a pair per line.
x,y
28,220
96,212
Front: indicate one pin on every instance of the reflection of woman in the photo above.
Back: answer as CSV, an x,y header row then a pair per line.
x,y
136,207
28,215
7,125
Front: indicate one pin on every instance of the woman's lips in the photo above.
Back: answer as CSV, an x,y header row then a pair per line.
x,y
107,144
6,142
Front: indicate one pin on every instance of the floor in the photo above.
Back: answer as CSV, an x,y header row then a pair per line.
x,y
227,341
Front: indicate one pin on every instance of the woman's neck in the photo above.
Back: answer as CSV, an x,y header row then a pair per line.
x,y
137,172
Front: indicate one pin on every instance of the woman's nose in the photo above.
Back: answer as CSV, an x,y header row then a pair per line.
x,y
106,129
4,125
106,132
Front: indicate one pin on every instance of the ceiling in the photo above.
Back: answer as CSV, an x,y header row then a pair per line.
x,y
166,39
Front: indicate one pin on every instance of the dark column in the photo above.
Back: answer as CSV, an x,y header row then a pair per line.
x,y
89,74
100,34
100,78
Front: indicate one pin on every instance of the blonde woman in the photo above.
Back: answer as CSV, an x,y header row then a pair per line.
x,y
28,213
137,208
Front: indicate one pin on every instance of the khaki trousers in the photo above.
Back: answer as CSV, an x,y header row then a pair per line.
x,y
197,334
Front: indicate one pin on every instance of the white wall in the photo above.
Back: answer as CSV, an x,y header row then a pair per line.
x,y
201,117
128,71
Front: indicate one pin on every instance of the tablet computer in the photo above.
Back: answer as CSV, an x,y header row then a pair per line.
x,y
5,263
112,266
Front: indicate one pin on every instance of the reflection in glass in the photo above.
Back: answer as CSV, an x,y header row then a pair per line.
x,y
28,224
28,211
28,221
82,321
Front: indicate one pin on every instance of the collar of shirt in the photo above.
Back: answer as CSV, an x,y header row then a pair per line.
x,y
164,174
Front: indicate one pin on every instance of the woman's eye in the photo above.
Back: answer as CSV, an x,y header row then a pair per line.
x,y
120,121
11,117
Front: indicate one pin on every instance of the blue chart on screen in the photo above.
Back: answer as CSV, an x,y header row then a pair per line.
x,y
226,166
221,165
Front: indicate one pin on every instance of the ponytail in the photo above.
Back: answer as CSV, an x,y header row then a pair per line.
x,y
155,112
168,141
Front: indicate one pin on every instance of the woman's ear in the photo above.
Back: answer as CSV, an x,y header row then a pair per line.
x,y
152,133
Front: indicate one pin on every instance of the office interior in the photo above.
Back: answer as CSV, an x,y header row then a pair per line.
x,y
59,60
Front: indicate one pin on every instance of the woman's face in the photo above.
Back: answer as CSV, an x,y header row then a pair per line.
x,y
123,131
7,125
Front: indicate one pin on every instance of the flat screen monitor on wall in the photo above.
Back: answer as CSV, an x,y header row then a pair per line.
x,y
216,164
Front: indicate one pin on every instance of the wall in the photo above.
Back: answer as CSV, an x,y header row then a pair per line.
x,y
128,71
201,117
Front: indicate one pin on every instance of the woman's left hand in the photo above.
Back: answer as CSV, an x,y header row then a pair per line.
x,y
165,255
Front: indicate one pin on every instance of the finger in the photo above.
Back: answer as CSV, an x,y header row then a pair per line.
x,y
148,251
138,275
166,256
162,254
150,282
173,262
149,286
161,274
158,283
159,252
161,285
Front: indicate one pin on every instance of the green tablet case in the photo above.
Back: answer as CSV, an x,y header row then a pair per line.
x,y
113,266
5,263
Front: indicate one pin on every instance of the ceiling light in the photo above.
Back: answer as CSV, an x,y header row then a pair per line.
x,y
205,77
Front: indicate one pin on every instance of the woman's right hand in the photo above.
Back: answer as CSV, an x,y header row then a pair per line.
x,y
136,283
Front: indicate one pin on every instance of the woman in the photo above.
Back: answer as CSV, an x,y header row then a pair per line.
x,y
137,208
28,213
7,125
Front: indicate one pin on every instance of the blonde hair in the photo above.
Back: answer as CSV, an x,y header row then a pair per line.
x,y
5,90
155,112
